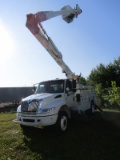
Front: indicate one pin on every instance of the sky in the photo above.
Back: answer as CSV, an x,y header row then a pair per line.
x,y
91,39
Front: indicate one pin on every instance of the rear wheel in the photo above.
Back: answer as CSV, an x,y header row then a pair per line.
x,y
92,108
91,111
62,122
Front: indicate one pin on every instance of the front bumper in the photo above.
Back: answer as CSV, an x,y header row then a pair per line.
x,y
36,120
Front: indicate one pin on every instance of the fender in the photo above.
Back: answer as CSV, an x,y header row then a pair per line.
x,y
66,109
55,104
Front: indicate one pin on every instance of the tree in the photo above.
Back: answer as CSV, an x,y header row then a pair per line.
x,y
99,92
114,72
113,95
105,74
106,80
81,80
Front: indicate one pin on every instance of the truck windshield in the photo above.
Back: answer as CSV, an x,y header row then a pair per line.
x,y
56,86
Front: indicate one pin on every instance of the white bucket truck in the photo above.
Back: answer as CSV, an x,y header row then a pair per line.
x,y
54,101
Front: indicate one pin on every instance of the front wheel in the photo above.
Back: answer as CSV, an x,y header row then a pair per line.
x,y
62,122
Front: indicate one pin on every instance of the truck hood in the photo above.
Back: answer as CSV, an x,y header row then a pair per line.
x,y
40,96
37,102
45,97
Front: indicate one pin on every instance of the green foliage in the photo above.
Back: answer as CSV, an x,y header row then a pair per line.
x,y
105,74
106,80
97,75
100,94
81,80
108,97
113,95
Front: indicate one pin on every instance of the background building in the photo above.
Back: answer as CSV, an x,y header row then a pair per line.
x,y
14,94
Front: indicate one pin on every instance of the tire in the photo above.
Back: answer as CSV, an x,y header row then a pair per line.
x,y
91,111
62,122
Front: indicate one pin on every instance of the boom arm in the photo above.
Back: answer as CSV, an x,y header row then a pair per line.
x,y
34,25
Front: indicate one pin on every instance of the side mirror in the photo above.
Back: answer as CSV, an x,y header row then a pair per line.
x,y
34,89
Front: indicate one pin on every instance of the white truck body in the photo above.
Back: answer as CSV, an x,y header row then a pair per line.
x,y
54,101
50,98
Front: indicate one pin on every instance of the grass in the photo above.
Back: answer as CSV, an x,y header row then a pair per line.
x,y
94,138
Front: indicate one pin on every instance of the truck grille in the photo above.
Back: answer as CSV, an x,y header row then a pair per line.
x,y
31,106
24,106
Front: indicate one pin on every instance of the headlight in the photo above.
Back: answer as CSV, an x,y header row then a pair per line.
x,y
34,105
40,103
46,110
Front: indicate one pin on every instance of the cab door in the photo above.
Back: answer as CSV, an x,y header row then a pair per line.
x,y
69,94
